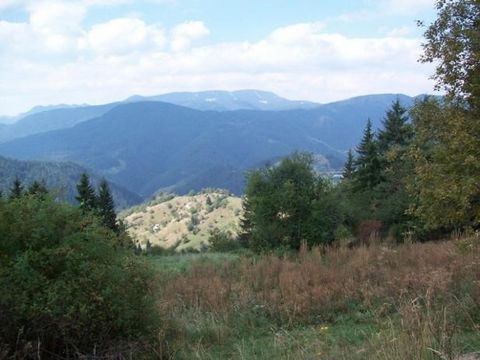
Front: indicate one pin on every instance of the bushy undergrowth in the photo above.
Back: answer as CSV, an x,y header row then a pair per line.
x,y
69,288
421,296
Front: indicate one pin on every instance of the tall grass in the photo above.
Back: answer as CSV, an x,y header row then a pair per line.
x,y
421,295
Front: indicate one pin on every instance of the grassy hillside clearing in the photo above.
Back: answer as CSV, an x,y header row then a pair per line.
x,y
417,301
183,222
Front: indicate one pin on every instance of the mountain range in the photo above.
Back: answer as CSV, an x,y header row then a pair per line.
x,y
228,100
145,146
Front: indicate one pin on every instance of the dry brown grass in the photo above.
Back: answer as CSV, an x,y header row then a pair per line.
x,y
316,285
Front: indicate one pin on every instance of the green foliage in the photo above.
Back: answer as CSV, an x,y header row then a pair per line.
x,y
446,147
16,191
38,189
106,207
287,205
67,285
222,241
453,44
376,189
60,178
446,166
368,167
349,167
86,194
396,129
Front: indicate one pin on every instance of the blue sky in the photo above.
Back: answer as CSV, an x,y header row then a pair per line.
x,y
95,51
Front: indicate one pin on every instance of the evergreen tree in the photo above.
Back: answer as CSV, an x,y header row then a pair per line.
x,y
86,195
349,167
396,130
38,189
16,190
106,207
245,223
368,165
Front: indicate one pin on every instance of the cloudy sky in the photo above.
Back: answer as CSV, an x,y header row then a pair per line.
x,y
97,51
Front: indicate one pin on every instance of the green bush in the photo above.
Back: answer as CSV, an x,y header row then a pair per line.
x,y
69,286
222,241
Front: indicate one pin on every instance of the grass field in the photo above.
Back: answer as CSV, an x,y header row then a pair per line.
x,y
419,301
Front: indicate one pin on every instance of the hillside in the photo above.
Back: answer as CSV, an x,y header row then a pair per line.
x,y
183,222
60,178
147,146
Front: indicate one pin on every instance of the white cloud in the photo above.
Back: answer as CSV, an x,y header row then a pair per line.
x,y
121,57
120,36
184,34
56,24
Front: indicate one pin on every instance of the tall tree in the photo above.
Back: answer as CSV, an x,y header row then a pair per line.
x,y
106,207
287,205
368,173
453,44
396,130
446,166
349,167
447,141
38,189
16,190
86,195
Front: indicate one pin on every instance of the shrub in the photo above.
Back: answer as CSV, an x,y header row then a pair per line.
x,y
222,241
69,286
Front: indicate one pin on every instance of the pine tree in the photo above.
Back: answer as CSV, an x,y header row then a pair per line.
x,y
86,195
16,191
396,130
368,173
106,207
38,189
245,223
349,167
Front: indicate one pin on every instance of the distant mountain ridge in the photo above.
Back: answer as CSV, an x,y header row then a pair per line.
x,y
60,177
146,146
47,118
228,100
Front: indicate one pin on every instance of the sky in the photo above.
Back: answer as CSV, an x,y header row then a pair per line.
x,y
99,51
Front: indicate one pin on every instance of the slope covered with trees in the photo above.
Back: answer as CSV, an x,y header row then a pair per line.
x,y
59,177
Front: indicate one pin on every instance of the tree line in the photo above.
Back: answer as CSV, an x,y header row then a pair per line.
x,y
417,177
100,203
